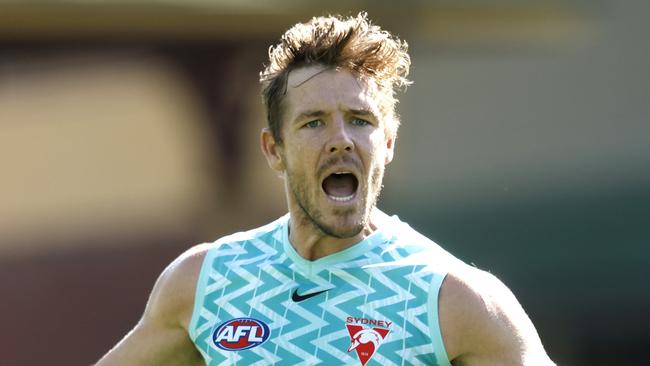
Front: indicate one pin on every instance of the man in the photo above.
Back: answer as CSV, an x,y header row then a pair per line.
x,y
335,281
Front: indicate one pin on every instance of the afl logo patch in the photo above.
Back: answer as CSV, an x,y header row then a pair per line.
x,y
240,334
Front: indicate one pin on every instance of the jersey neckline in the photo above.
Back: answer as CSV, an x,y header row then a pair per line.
x,y
309,268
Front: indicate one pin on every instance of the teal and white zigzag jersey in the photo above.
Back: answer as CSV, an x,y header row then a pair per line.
x,y
376,303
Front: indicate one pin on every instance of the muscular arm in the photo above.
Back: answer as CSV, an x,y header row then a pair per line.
x,y
484,324
161,336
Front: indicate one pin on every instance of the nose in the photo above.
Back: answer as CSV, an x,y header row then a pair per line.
x,y
340,140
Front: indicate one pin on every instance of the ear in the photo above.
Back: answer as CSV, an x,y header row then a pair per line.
x,y
390,147
272,150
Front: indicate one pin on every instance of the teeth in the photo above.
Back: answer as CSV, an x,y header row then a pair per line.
x,y
341,199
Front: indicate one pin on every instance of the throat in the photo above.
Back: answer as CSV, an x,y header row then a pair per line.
x,y
312,244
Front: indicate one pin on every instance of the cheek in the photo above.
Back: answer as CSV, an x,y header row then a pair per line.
x,y
378,145
378,136
297,160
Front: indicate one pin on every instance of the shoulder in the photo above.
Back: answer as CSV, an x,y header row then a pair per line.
x,y
172,298
483,323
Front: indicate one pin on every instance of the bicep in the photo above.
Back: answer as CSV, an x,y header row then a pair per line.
x,y
161,336
150,343
516,336
494,328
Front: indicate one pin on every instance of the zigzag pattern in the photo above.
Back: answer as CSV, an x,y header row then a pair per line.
x,y
253,276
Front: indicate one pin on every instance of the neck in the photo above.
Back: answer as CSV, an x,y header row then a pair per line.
x,y
312,243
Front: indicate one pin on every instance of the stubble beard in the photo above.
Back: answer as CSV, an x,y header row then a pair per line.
x,y
313,215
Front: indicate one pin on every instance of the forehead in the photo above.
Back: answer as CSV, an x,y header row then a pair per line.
x,y
316,88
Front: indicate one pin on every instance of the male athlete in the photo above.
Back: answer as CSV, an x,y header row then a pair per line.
x,y
335,281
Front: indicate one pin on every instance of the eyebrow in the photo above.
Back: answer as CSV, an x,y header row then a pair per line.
x,y
308,114
363,112
319,113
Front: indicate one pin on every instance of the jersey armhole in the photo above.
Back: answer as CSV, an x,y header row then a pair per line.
x,y
199,294
434,321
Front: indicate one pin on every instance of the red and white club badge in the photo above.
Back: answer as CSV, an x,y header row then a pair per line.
x,y
366,341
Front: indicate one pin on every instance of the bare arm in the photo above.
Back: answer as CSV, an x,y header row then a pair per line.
x,y
484,324
161,336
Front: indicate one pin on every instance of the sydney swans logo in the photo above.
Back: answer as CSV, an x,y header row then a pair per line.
x,y
366,341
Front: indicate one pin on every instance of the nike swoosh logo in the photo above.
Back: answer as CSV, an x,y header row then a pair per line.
x,y
298,298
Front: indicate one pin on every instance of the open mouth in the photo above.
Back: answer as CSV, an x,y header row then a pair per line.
x,y
341,186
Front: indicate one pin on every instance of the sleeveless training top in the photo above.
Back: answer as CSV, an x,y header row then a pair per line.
x,y
376,303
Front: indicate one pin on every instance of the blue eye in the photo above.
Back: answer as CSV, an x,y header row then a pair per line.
x,y
360,122
313,124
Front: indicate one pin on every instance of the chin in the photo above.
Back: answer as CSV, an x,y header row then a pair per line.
x,y
345,224
342,233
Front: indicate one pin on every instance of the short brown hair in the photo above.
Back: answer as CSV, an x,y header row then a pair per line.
x,y
352,43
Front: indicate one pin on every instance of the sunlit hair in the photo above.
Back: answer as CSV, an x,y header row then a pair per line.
x,y
352,44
